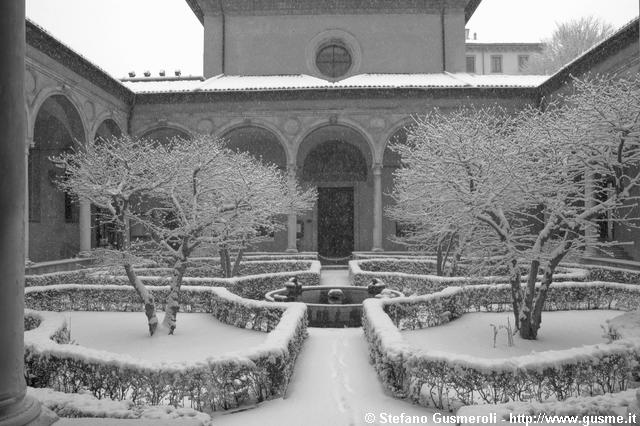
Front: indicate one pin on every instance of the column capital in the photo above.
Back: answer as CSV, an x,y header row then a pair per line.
x,y
292,170
29,144
377,169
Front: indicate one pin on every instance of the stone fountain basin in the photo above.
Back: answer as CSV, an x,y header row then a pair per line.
x,y
323,314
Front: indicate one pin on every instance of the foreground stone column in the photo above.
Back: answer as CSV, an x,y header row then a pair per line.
x,y
85,225
27,150
16,408
377,207
292,218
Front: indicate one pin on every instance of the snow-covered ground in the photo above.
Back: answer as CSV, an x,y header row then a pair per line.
x,y
472,334
197,336
333,385
334,277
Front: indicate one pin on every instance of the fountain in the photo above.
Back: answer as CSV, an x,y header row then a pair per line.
x,y
331,306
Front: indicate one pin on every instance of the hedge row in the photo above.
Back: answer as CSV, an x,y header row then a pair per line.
x,y
415,277
224,382
445,380
251,286
213,270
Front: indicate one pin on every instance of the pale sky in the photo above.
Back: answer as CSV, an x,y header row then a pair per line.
x,y
124,35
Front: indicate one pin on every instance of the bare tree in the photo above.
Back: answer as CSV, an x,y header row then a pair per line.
x,y
568,41
261,195
527,177
115,175
184,194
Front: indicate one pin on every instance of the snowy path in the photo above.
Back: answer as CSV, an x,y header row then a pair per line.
x,y
333,384
334,277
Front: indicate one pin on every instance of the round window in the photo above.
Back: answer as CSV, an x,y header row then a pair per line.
x,y
333,60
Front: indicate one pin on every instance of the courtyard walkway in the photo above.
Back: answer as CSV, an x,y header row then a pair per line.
x,y
333,384
334,277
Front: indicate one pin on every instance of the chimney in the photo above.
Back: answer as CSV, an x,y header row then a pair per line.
x,y
475,36
178,73
466,33
132,74
161,73
147,73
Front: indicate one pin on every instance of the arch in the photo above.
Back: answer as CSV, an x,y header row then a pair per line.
x,y
54,215
164,132
332,36
397,135
107,129
340,132
259,141
47,93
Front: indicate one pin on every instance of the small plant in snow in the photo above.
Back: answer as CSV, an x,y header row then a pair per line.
x,y
508,330
609,333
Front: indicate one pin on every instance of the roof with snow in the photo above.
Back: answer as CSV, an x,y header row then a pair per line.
x,y
231,83
334,6
626,36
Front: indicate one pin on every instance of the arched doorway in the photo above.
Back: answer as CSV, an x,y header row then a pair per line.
x,y
337,159
103,231
53,215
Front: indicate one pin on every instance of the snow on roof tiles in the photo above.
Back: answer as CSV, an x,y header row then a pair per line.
x,y
229,83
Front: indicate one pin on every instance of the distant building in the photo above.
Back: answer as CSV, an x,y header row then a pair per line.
x,y
318,88
483,57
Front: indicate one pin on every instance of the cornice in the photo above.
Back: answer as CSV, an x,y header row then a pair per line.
x,y
336,94
328,7
503,47
39,39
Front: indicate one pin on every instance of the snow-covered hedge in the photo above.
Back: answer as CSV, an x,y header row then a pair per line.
x,y
213,270
416,276
609,273
446,380
72,405
63,277
581,408
250,286
215,383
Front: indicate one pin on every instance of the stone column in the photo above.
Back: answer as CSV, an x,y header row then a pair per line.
x,y
292,218
377,207
85,225
27,150
15,407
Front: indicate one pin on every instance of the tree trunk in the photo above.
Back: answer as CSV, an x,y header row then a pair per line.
x,y
530,324
236,264
145,295
225,262
172,305
516,291
439,259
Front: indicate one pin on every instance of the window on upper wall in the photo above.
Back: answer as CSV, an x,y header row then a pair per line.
x,y
333,60
471,64
523,60
496,63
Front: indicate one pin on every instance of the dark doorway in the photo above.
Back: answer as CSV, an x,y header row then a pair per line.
x,y
335,222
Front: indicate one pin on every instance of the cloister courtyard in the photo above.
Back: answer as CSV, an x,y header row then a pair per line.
x,y
351,230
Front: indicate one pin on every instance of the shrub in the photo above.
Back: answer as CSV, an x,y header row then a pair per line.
x,y
447,380
217,383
